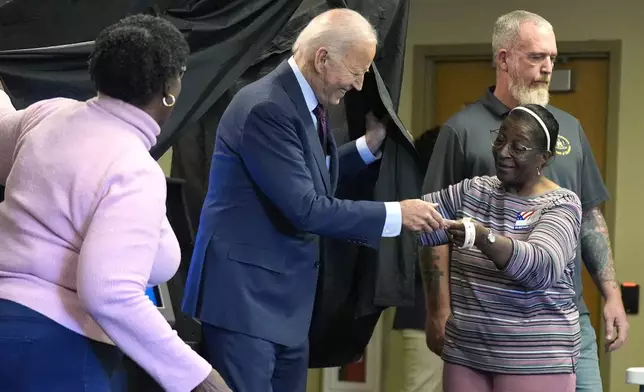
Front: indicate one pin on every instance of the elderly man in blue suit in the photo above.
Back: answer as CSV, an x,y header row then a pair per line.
x,y
274,172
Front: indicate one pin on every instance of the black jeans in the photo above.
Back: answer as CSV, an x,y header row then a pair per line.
x,y
40,355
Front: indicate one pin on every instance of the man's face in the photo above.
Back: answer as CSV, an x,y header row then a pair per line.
x,y
530,64
340,75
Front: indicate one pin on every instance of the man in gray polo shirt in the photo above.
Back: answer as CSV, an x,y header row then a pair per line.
x,y
525,50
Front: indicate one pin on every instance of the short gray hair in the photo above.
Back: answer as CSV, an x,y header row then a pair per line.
x,y
506,28
338,30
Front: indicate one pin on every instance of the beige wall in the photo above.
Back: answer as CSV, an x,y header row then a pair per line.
x,y
449,22
165,162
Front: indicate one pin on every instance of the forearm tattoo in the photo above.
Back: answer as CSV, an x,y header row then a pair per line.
x,y
432,276
596,249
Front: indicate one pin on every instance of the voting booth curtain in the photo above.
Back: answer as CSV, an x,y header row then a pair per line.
x,y
44,48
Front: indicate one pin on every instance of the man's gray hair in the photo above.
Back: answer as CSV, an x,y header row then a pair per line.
x,y
506,28
338,30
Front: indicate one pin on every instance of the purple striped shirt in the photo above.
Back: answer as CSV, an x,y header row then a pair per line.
x,y
523,319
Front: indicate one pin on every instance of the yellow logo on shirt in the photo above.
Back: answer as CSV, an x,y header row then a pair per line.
x,y
563,146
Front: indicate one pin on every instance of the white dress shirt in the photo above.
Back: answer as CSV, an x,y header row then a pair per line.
x,y
393,221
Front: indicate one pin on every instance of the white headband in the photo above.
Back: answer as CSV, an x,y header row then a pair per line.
x,y
539,120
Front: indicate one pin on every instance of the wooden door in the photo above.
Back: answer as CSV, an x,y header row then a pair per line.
x,y
457,83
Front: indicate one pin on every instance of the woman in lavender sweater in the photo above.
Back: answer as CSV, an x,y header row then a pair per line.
x,y
83,230
514,325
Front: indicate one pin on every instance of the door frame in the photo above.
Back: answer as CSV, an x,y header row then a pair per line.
x,y
424,56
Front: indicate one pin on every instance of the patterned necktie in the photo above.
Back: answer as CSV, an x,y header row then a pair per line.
x,y
322,129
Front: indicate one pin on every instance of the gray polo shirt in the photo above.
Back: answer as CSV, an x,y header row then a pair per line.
x,y
463,150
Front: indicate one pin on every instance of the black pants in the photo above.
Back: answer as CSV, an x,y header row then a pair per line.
x,y
38,355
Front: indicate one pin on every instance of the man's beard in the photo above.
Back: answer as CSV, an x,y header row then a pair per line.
x,y
526,94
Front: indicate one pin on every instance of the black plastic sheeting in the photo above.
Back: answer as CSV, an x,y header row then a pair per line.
x,y
193,152
225,37
233,43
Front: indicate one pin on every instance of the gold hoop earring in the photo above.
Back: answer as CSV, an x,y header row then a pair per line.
x,y
169,104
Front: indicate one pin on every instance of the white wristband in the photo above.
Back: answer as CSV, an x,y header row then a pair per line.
x,y
470,233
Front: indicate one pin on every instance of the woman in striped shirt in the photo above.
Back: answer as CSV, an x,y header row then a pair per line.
x,y
514,324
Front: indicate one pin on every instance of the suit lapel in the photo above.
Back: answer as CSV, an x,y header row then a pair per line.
x,y
293,90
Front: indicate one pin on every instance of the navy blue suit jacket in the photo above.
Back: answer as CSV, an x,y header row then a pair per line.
x,y
254,267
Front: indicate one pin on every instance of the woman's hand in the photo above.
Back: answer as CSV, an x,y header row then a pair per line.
x,y
213,383
456,231
498,251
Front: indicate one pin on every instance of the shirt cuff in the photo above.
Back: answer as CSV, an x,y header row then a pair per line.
x,y
393,221
366,154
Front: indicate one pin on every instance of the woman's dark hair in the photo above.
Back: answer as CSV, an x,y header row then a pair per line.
x,y
134,58
524,120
